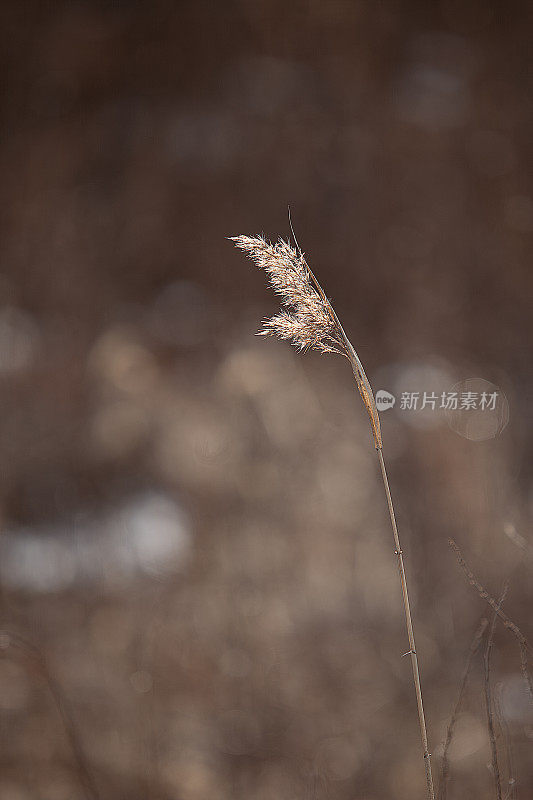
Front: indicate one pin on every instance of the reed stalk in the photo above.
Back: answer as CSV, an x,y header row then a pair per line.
x,y
410,634
310,322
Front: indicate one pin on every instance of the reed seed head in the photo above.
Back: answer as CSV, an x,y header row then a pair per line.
x,y
307,320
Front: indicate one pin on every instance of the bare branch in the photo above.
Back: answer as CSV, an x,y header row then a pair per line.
x,y
524,645
488,699
37,659
474,647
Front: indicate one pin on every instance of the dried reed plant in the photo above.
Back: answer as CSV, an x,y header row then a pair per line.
x,y
525,648
494,713
445,763
309,321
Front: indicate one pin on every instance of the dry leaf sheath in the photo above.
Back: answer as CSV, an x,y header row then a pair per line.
x,y
309,321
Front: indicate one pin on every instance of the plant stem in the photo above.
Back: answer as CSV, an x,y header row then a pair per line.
x,y
488,702
474,647
367,396
524,645
410,633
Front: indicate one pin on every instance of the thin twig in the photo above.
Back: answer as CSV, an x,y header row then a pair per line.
x,y
445,766
37,658
524,645
504,727
488,699
316,785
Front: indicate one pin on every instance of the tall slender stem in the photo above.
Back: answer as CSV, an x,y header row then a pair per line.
x,y
488,701
445,763
410,633
313,323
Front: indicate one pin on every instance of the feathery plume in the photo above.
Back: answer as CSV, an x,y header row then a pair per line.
x,y
310,323
308,320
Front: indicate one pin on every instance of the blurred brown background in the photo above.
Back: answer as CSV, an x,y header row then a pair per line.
x,y
199,593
